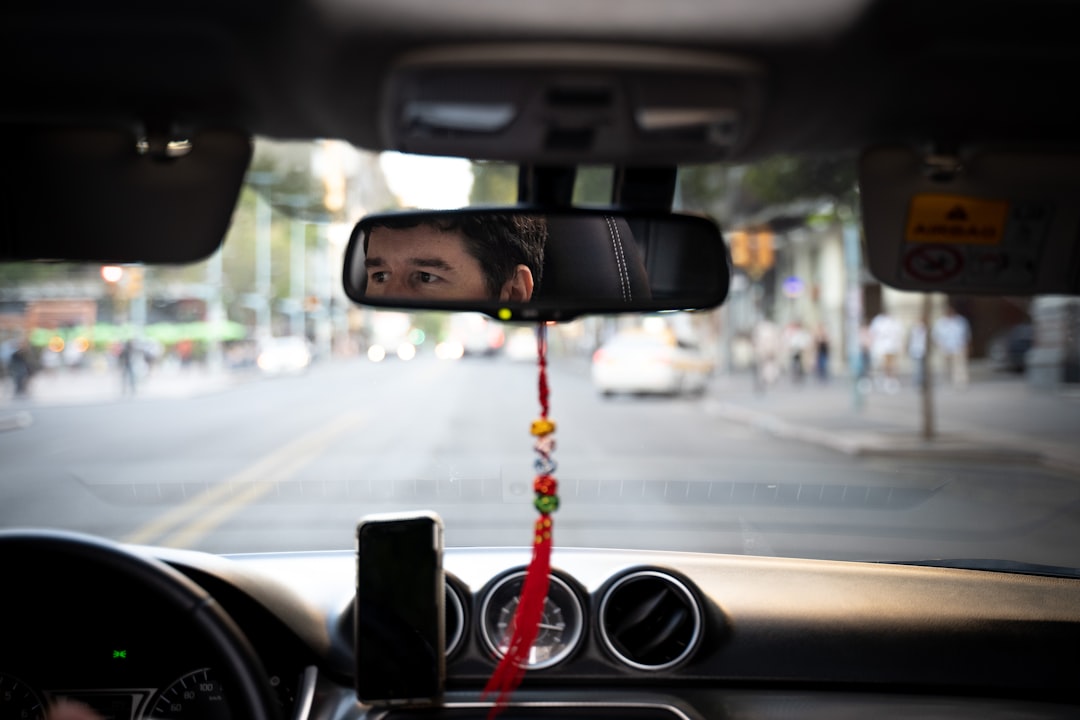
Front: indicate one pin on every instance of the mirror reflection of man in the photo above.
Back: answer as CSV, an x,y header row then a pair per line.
x,y
467,257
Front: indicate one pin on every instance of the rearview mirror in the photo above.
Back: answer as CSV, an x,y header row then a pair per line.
x,y
516,264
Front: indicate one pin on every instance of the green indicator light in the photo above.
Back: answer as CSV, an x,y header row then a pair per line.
x,y
505,314
119,654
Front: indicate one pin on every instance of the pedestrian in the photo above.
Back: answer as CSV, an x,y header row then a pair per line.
x,y
21,366
798,344
952,334
821,354
766,341
127,360
886,343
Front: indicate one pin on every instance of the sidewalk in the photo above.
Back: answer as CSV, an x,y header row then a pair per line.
x,y
78,387
996,419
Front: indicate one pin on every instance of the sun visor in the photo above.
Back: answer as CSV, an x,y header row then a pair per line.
x,y
105,195
570,104
988,222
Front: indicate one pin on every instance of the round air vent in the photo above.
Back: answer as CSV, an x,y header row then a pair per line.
x,y
455,618
650,620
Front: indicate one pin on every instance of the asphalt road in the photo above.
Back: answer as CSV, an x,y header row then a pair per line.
x,y
291,463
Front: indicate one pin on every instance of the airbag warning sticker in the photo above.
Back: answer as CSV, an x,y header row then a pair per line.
x,y
956,220
958,243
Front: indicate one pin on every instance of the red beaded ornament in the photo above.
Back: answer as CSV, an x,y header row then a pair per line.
x,y
526,623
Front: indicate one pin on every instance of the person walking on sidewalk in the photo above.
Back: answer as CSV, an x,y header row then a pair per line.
x,y
886,344
798,342
128,369
22,365
952,333
766,342
821,354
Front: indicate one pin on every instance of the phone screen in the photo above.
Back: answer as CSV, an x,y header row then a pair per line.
x,y
400,594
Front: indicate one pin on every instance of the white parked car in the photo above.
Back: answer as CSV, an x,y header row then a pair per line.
x,y
284,355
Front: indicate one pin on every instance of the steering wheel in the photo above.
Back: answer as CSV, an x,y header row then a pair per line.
x,y
57,560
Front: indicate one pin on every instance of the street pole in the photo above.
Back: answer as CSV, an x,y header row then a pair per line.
x,y
853,303
263,222
297,268
215,310
322,326
137,301
928,429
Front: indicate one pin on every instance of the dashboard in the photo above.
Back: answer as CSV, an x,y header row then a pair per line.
x,y
636,635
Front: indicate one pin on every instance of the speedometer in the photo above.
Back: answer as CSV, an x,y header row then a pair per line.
x,y
18,701
195,695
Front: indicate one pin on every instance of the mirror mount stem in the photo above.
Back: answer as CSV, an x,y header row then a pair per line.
x,y
646,189
546,186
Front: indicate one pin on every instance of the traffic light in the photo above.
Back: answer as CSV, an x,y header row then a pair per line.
x,y
752,250
764,257
739,242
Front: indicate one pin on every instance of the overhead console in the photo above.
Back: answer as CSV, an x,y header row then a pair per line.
x,y
568,103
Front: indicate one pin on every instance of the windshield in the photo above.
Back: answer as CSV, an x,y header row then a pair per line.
x,y
243,404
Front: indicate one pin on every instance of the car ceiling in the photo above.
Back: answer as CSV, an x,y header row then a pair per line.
x,y
836,73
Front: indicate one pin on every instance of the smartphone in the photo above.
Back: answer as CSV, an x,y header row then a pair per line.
x,y
399,610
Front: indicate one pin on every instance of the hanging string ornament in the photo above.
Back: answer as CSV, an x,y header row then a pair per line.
x,y
526,622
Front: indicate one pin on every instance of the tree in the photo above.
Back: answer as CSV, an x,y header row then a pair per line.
x,y
786,179
494,183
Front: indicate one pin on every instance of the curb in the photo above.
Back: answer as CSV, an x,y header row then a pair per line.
x,y
882,445
16,421
113,397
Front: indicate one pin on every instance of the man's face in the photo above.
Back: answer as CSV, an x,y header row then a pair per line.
x,y
422,262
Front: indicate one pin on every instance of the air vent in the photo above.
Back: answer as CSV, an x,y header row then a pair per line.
x,y
650,620
455,618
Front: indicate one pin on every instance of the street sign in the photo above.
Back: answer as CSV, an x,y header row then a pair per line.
x,y
794,287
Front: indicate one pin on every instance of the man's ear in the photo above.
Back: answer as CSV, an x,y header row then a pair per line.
x,y
519,287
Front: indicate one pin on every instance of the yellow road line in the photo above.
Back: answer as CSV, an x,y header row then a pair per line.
x,y
179,514
204,512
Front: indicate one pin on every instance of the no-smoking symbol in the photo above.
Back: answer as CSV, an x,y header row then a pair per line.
x,y
933,263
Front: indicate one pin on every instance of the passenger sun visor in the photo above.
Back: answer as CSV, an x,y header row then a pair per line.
x,y
117,196
979,222
569,104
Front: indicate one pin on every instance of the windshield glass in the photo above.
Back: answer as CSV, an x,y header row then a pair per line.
x,y
244,404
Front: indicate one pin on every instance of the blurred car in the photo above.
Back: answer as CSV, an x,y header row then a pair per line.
x,y
478,335
520,345
285,355
639,362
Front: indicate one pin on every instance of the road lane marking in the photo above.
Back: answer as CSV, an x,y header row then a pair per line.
x,y
179,514
205,511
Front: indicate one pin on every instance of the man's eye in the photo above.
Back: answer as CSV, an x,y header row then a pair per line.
x,y
377,277
427,278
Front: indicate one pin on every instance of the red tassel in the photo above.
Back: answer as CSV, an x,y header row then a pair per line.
x,y
526,622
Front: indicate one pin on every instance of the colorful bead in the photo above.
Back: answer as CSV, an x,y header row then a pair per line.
x,y
545,445
544,466
542,427
546,504
545,485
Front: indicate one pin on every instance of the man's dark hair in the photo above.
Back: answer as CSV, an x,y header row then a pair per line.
x,y
499,242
